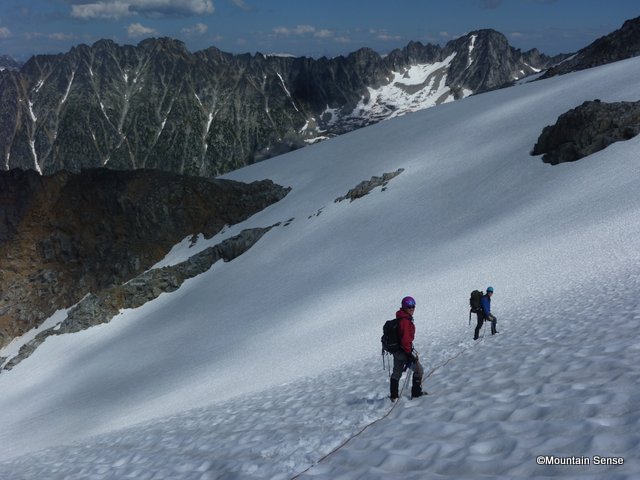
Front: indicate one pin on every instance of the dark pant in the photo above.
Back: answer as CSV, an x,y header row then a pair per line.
x,y
399,362
481,320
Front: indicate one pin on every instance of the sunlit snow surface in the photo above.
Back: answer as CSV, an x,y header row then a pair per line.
x,y
261,366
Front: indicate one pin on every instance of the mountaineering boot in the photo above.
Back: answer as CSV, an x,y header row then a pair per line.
x,y
417,393
394,389
416,390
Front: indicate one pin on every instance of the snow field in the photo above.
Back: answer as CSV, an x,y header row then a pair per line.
x,y
560,383
259,367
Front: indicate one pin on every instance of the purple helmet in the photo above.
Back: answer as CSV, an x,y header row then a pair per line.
x,y
408,302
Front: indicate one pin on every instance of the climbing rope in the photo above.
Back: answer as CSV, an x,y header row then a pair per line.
x,y
359,432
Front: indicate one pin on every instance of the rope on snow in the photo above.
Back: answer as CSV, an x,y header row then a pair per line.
x,y
358,433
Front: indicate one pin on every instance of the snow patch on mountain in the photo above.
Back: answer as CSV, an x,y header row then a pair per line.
x,y
418,87
415,88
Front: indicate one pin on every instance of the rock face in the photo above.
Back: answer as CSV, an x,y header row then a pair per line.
x,y
619,45
66,235
158,106
587,129
99,308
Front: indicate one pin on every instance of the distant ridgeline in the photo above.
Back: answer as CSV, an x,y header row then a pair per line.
x,y
619,45
156,105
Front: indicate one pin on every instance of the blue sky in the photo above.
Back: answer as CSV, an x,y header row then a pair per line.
x,y
305,27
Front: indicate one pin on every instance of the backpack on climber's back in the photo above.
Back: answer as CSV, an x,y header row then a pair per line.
x,y
475,301
390,336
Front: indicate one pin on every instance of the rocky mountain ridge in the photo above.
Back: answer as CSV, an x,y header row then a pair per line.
x,y
67,235
619,45
156,105
101,307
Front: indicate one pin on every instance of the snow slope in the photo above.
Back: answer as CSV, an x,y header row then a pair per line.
x,y
261,366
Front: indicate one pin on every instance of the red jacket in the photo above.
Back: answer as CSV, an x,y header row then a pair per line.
x,y
406,329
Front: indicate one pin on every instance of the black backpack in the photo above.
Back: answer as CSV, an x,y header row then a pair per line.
x,y
390,336
475,301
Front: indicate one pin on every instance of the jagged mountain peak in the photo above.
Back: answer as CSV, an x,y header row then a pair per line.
x,y
156,105
485,60
485,38
163,43
412,54
364,52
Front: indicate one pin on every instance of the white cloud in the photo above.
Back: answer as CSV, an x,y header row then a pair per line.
x,y
386,37
139,30
298,30
182,8
383,35
324,33
5,32
303,29
105,10
197,29
60,36
116,9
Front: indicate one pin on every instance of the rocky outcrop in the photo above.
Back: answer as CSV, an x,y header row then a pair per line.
x,y
99,308
587,129
66,235
158,106
619,45
364,187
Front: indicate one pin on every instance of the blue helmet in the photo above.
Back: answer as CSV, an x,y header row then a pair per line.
x,y
489,289
408,302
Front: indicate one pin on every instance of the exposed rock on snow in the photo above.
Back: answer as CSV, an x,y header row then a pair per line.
x,y
587,129
363,188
